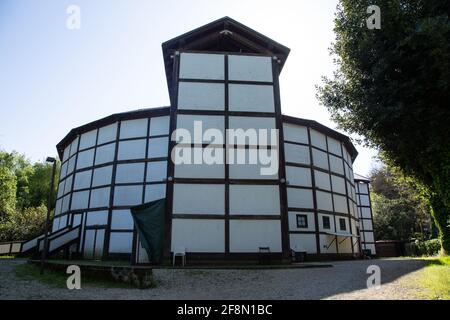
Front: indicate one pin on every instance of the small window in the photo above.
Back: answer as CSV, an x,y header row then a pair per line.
x,y
302,221
326,222
342,225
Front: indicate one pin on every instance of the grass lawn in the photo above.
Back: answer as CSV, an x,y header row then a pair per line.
x,y
435,279
58,279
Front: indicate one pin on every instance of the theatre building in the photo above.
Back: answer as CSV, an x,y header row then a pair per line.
x,y
224,76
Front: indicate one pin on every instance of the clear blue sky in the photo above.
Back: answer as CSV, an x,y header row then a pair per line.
x,y
53,79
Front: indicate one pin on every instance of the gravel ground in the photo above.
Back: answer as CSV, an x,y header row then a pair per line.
x,y
345,280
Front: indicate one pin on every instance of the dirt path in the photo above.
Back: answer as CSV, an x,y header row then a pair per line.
x,y
345,280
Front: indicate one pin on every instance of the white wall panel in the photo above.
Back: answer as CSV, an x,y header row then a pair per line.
x,y
345,246
250,68
198,235
199,198
133,149
80,200
65,203
158,147
77,220
71,164
74,146
105,153
299,198
296,154
107,133
155,192
324,201
58,206
293,221
256,98
201,96
325,241
202,66
363,188
336,164
255,124
340,203
295,133
318,139
159,125
156,171
322,180
68,184
100,197
368,236
365,213
297,176
334,146
254,199
122,219
207,122
338,184
55,224
250,235
82,179
121,242
303,242
133,128
320,159
102,176
127,195
66,153
88,139
252,171
63,221
63,171
97,218
85,159
364,199
130,172
89,244
368,224
202,170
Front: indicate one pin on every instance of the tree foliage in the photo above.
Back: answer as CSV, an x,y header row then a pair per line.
x,y
392,87
399,210
24,188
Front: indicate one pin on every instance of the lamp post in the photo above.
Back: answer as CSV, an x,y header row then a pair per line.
x,y
47,221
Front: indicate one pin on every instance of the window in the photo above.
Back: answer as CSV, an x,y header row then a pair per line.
x,y
302,221
342,225
326,222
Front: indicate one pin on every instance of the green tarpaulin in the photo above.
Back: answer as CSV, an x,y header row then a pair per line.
x,y
149,221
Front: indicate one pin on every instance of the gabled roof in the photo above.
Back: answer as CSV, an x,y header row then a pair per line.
x,y
358,177
222,35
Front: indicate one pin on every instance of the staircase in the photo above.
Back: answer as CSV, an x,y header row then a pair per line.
x,y
57,241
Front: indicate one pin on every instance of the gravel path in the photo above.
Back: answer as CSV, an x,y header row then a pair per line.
x,y
345,280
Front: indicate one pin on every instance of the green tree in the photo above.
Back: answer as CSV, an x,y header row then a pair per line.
x,y
24,191
7,193
24,224
399,210
392,87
